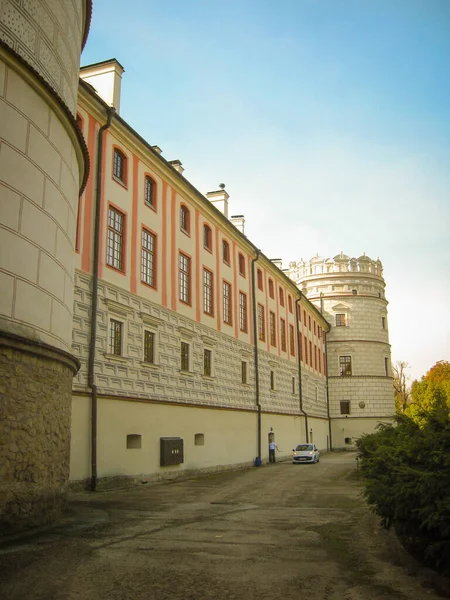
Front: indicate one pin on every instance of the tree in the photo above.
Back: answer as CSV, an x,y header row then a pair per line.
x,y
401,387
432,388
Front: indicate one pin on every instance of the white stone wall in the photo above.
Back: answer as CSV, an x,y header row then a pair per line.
x,y
39,176
128,376
354,288
47,34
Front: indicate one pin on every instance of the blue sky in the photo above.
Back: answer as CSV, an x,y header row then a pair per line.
x,y
328,121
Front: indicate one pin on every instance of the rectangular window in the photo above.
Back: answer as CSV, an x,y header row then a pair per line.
x,y
185,278
315,357
115,337
293,385
261,323
184,356
305,358
345,365
291,340
243,372
386,366
383,322
290,303
242,312
273,335
207,362
310,355
114,256
226,252
345,407
319,332
149,346
207,237
341,320
227,303
272,380
207,292
148,258
283,334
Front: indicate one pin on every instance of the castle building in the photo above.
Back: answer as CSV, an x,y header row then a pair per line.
x,y
43,166
350,293
142,334
187,334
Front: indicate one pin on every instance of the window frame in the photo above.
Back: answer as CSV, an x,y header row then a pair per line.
x,y
112,333
185,356
226,252
259,279
243,312
207,237
227,304
208,292
281,296
345,366
185,219
241,264
261,323
272,329
283,335
344,406
341,320
117,235
153,191
184,279
244,372
207,362
271,289
290,304
291,339
146,252
120,167
152,336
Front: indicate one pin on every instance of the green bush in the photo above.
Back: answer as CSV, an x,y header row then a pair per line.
x,y
406,474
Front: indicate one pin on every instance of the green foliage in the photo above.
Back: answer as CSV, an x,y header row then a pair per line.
x,y
406,474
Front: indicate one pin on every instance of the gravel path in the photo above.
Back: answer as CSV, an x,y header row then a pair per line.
x,y
282,531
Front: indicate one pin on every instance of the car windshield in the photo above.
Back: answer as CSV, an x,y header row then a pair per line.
x,y
303,447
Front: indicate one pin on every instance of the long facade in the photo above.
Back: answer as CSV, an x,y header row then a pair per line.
x,y
196,334
44,165
350,293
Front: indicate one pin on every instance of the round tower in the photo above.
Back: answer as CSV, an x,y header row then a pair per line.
x,y
350,293
43,167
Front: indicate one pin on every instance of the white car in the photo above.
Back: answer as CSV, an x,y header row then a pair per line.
x,y
305,453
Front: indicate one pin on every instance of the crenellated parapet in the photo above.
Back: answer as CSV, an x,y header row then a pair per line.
x,y
338,264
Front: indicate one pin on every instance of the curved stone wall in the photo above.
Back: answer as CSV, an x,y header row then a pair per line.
x,y
47,34
43,164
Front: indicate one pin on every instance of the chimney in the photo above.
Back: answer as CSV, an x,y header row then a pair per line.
x,y
157,149
220,199
277,262
106,78
238,221
176,164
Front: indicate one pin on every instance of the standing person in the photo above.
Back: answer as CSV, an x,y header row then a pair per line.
x,y
272,449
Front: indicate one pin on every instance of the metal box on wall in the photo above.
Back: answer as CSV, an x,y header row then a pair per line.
x,y
171,451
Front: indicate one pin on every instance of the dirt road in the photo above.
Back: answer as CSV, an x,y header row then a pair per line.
x,y
283,531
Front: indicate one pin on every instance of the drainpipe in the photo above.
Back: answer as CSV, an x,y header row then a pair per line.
x,y
255,333
328,398
299,349
95,259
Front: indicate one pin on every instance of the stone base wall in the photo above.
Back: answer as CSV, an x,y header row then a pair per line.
x,y
35,408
